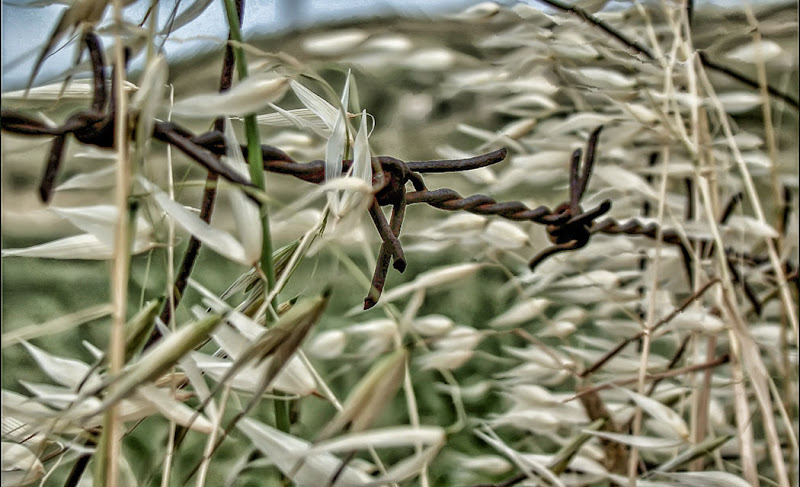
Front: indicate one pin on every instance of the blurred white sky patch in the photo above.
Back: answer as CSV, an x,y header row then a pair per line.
x,y
26,25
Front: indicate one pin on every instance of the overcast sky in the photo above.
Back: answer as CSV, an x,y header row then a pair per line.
x,y
25,30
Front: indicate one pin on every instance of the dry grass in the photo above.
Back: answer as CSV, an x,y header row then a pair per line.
x,y
615,364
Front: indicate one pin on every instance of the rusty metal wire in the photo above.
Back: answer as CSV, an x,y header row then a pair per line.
x,y
568,226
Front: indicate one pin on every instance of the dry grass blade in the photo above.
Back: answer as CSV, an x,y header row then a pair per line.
x,y
248,97
55,326
703,448
20,466
562,459
137,331
79,15
640,441
279,344
286,451
96,244
382,438
159,359
219,240
139,327
67,372
661,413
148,99
704,479
370,396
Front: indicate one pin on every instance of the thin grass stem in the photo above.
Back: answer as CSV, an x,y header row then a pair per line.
x,y
752,195
112,433
166,471
256,162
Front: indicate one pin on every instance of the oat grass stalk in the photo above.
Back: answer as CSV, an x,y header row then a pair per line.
x,y
170,291
254,156
766,114
110,452
667,62
754,200
256,163
750,354
699,129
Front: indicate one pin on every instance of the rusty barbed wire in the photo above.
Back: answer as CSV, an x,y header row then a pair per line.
x,y
568,226
96,127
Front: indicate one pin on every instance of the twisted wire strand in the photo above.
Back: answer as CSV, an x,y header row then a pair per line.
x,y
450,200
633,226
277,161
481,204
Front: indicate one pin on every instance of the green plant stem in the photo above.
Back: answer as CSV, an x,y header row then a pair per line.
x,y
254,157
256,163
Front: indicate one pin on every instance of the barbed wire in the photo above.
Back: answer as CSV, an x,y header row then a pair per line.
x,y
568,226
